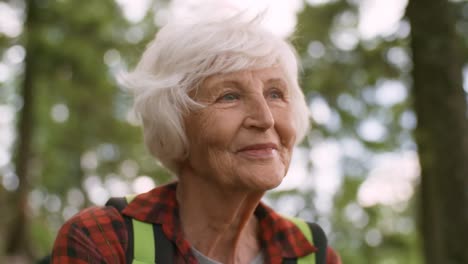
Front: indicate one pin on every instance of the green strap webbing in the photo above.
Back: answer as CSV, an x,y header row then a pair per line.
x,y
143,240
304,227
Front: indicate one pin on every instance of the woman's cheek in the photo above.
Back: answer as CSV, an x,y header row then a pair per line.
x,y
287,132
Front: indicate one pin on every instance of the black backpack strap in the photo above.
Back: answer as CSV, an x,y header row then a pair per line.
x,y
164,248
289,261
120,203
320,242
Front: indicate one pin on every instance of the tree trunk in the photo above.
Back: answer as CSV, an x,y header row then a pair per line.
x,y
442,130
17,241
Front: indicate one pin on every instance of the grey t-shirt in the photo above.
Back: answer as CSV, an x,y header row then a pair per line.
x,y
202,259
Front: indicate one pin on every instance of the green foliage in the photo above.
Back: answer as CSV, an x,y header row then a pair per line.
x,y
346,78
78,47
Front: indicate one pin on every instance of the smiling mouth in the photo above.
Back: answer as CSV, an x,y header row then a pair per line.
x,y
259,151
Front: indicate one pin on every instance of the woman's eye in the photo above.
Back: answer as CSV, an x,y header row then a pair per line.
x,y
275,94
229,97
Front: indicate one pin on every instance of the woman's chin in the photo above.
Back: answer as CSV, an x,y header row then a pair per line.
x,y
263,181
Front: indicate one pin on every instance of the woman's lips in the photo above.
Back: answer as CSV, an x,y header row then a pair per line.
x,y
259,151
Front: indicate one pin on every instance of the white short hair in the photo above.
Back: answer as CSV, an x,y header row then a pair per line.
x,y
181,56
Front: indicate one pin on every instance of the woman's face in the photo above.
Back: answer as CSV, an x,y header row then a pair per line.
x,y
244,136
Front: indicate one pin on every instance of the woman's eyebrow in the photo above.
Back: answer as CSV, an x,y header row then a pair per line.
x,y
279,81
219,85
231,82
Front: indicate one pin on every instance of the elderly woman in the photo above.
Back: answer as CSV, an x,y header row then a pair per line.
x,y
222,110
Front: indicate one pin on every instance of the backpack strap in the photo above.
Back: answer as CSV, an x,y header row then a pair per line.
x,y
120,203
164,247
150,239
144,239
315,235
320,242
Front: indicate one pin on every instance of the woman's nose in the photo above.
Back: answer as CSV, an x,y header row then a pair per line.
x,y
258,114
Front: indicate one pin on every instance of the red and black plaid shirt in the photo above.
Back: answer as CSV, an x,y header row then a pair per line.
x,y
99,235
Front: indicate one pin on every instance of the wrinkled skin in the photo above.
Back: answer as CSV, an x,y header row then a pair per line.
x,y
244,136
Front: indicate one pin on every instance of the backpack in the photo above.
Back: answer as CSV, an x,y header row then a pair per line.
x,y
148,244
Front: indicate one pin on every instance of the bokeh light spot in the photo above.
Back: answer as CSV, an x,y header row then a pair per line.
x,y
59,113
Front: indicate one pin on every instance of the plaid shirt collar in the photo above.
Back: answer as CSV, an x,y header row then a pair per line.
x,y
280,238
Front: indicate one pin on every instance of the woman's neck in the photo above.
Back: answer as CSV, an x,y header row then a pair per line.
x,y
219,221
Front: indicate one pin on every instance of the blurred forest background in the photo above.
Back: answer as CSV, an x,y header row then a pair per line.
x,y
384,168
